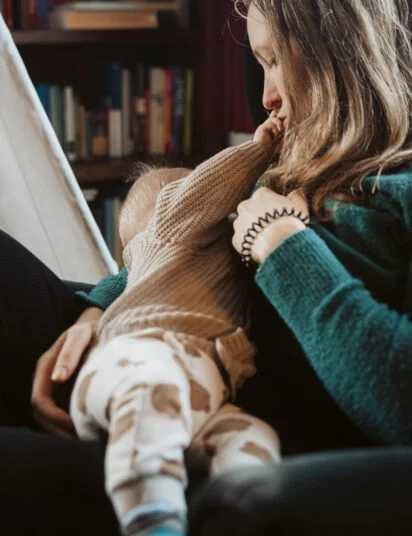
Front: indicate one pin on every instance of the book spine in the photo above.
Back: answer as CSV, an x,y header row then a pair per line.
x,y
55,112
77,125
115,85
69,124
8,13
18,14
168,110
115,133
100,140
89,134
118,247
82,132
43,15
139,109
31,14
148,120
127,145
178,96
157,112
103,20
43,92
187,140
108,207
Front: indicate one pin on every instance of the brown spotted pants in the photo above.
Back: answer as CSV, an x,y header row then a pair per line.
x,y
156,401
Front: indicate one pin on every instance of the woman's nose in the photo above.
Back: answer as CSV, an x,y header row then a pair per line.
x,y
271,98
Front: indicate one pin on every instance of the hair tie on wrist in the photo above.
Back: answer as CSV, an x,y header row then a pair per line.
x,y
258,226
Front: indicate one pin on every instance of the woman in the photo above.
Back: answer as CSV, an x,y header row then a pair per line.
x,y
346,112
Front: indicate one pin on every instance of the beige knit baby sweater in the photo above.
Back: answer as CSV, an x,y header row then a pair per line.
x,y
182,273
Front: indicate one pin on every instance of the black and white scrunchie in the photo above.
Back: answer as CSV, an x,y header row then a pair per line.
x,y
258,226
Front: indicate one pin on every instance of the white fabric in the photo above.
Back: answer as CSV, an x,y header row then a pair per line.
x,y
41,204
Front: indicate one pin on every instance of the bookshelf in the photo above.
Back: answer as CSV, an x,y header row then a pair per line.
x,y
28,38
101,172
79,59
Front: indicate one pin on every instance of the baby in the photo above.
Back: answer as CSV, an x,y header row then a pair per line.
x,y
172,350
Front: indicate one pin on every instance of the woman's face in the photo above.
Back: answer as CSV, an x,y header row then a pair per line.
x,y
273,94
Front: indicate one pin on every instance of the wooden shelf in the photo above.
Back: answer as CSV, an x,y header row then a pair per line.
x,y
110,170
81,37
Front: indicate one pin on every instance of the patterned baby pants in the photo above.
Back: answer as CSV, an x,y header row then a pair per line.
x,y
157,398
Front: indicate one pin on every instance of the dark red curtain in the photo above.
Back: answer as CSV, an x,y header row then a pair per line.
x,y
225,106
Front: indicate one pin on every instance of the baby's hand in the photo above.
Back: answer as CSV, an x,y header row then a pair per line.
x,y
269,133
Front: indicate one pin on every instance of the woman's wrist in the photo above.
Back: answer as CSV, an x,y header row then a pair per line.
x,y
90,314
273,235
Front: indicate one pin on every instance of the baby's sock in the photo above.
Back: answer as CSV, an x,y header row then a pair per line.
x,y
156,525
159,506
163,532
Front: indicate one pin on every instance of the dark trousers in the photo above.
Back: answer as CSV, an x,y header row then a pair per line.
x,y
48,486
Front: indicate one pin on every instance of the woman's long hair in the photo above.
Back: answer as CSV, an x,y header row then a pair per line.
x,y
354,116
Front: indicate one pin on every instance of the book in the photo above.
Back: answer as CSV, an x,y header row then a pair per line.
x,y
30,9
56,112
157,111
142,5
139,108
115,133
168,111
127,143
109,223
69,123
187,140
118,246
64,19
99,134
44,96
178,110
7,11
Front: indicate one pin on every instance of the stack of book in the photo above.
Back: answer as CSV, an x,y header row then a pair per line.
x,y
91,15
146,112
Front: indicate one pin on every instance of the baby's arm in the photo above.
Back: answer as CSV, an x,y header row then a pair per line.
x,y
189,207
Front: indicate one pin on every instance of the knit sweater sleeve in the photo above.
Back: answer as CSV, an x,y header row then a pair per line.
x,y
106,291
359,348
189,209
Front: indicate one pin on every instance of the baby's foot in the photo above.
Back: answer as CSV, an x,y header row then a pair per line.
x,y
157,525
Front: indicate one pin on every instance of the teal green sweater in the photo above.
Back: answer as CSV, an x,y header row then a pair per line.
x,y
344,289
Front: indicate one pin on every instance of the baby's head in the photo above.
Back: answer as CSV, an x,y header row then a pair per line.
x,y
140,203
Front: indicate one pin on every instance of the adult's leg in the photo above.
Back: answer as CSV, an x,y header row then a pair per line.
x,y
52,487
35,307
352,492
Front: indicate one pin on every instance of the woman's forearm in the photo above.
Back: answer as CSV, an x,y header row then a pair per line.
x,y
91,314
359,348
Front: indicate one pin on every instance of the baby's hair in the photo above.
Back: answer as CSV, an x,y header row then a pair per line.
x,y
138,207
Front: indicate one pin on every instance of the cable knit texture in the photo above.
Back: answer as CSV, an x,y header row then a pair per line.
x,y
344,289
182,275
353,322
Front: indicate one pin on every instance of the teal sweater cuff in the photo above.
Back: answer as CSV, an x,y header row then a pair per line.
x,y
298,275
106,291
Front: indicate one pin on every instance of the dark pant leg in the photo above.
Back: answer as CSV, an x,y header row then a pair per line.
x,y
366,492
52,487
35,308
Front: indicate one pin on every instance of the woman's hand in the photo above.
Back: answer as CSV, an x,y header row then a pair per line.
x,y
269,134
57,366
249,211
